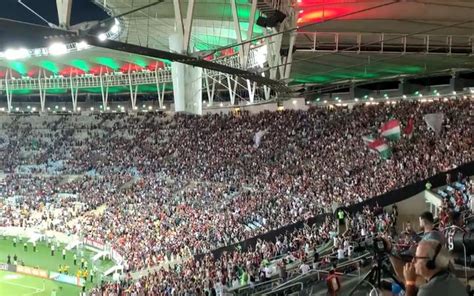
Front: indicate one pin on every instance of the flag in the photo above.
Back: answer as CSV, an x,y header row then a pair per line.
x,y
391,130
258,138
410,126
434,121
368,139
381,147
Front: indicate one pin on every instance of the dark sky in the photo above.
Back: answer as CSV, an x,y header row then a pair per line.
x,y
82,10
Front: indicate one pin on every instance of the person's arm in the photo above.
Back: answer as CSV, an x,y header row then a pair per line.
x,y
409,275
410,288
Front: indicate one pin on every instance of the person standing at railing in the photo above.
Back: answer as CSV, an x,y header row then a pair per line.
x,y
333,283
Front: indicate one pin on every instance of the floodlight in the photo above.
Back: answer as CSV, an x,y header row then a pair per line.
x,y
82,45
102,37
57,48
16,54
115,29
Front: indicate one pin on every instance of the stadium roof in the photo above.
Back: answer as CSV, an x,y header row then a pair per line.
x,y
437,38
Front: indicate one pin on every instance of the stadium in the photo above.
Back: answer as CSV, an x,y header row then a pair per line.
x,y
236,147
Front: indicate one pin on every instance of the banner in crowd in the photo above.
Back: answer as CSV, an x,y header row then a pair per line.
x,y
258,138
32,271
391,130
95,244
64,278
368,139
7,267
434,121
381,147
409,127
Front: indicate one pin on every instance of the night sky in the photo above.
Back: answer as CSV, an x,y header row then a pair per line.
x,y
82,10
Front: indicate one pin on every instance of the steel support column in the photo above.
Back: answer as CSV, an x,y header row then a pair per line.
x,y
251,89
8,91
42,90
238,34
74,91
133,92
104,90
246,47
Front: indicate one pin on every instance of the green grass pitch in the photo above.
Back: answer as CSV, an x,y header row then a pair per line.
x,y
13,284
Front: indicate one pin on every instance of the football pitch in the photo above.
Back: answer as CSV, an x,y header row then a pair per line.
x,y
13,284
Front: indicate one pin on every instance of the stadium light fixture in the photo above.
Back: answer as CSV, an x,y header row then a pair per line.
x,y
17,54
82,45
102,37
115,29
57,48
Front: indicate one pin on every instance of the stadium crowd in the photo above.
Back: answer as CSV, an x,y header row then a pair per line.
x,y
185,185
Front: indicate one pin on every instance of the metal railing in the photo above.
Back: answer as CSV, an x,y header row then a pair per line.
x,y
384,43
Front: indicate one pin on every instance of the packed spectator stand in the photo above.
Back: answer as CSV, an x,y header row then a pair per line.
x,y
181,186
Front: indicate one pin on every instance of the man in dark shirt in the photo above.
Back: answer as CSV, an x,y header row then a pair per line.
x,y
431,262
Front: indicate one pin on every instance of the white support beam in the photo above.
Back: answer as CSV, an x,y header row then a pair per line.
x,y
246,47
161,93
289,58
42,90
251,89
210,90
8,90
104,90
178,16
64,12
235,18
133,92
74,91
161,98
188,25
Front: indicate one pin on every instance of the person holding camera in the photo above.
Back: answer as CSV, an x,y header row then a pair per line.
x,y
431,262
